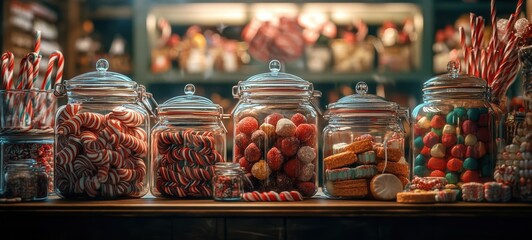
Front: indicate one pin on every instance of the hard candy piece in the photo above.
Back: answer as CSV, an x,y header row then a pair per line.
x,y
458,151
245,164
306,172
421,171
448,139
424,123
451,118
437,173
473,114
275,159
449,129
480,149
430,139
470,152
470,140
438,150
252,153
419,131
452,178
470,176
298,119
420,160
269,130
307,189
437,121
438,131
460,111
305,131
289,146
292,168
285,128
470,164
425,151
261,170
469,127
242,140
247,125
273,118
435,163
460,139
418,142
306,154
454,165
259,138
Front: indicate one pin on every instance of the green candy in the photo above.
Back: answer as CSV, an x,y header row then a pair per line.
x,y
420,160
452,178
421,171
430,115
438,131
470,164
460,139
460,111
418,142
451,118
482,110
473,114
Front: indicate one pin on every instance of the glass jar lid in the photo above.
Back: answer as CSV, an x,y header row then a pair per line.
x,y
274,83
361,104
190,104
101,83
453,81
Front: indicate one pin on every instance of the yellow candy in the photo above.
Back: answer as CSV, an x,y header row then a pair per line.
x,y
424,122
470,140
450,129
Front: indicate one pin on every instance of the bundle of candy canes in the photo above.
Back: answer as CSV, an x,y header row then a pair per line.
x,y
25,106
496,61
100,156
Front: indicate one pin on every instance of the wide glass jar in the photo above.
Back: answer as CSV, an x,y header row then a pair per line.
x,y
101,137
454,129
363,147
188,140
275,134
26,180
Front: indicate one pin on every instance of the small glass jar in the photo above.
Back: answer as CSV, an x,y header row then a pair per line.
x,y
101,137
364,138
188,140
227,182
454,129
275,134
26,181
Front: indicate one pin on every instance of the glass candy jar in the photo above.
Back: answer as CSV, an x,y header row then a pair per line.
x,y
453,130
227,182
275,136
26,181
189,139
363,147
101,137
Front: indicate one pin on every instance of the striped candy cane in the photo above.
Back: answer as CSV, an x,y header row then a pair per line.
x,y
55,57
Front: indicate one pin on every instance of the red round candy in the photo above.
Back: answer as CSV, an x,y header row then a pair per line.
x,y
437,173
289,146
298,119
273,118
242,140
483,134
275,159
470,152
437,121
307,189
292,168
454,164
305,131
458,151
435,163
470,176
448,139
469,127
418,131
310,142
247,125
245,164
425,151
430,139
252,153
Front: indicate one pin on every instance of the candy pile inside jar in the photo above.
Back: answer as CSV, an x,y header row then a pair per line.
x,y
25,180
227,183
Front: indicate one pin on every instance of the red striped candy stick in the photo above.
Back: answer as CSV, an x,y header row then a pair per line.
x,y
8,64
55,57
37,50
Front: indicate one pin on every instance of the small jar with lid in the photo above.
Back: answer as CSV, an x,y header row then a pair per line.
x,y
363,147
188,140
227,182
101,137
275,133
454,129
25,181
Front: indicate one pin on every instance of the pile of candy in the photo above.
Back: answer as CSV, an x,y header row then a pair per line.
x,y
42,151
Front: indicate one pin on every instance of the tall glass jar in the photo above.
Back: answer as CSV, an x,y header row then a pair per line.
x,y
101,137
363,147
188,140
454,129
276,136
26,180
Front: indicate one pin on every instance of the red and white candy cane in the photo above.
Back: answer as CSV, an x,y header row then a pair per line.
x,y
137,173
194,157
83,166
173,176
91,142
271,196
68,112
128,117
171,188
68,153
85,119
8,65
55,57
200,190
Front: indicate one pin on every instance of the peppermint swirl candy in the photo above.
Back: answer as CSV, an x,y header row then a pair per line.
x,y
68,112
271,196
129,117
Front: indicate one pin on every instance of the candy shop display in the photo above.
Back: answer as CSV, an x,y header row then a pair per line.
x,y
454,130
25,181
188,141
27,107
101,137
363,148
276,132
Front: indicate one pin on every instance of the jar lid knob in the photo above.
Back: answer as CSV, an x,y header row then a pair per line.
x,y
275,66
102,65
190,89
452,68
361,88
